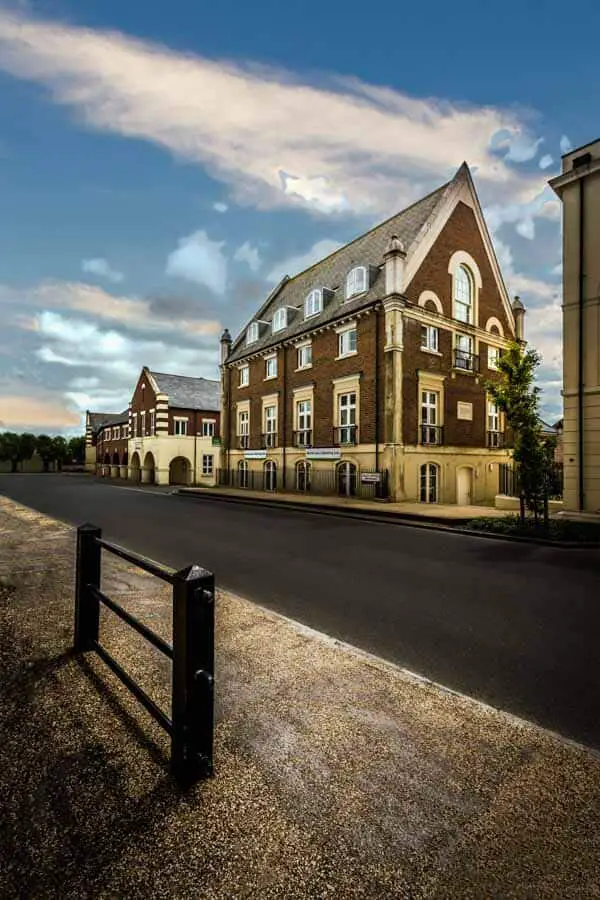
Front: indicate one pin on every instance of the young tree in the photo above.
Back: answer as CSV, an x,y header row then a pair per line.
x,y
518,397
45,449
60,450
76,450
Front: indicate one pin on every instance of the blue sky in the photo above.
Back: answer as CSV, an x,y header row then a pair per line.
x,y
161,165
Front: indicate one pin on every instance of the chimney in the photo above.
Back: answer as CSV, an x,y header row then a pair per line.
x,y
519,314
394,257
225,345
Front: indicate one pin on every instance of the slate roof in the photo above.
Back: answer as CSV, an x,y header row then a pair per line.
x,y
189,393
366,250
100,420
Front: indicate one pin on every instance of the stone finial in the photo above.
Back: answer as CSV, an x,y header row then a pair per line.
x,y
519,313
226,337
395,246
225,345
517,304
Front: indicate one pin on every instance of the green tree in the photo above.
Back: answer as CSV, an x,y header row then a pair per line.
x,y
15,448
518,397
45,449
76,450
60,450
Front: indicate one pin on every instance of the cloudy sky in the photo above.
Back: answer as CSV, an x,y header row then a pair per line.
x,y
162,164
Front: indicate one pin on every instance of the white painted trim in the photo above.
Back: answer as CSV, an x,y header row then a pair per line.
x,y
430,295
494,321
355,377
348,326
462,258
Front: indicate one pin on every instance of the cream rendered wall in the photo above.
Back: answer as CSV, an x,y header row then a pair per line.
x,y
166,448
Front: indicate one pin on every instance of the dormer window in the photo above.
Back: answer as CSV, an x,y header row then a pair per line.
x,y
313,303
356,281
280,319
252,333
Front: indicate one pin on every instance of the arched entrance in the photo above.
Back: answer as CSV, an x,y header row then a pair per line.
x,y
303,475
135,468
148,469
270,475
242,474
180,470
347,477
429,483
464,486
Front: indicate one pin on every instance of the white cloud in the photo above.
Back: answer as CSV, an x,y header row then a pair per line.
x,y
565,144
201,260
546,161
526,229
220,207
337,145
250,255
558,269
552,209
295,264
101,268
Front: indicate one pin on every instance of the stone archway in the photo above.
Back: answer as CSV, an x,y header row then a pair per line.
x,y
124,464
114,466
180,471
135,469
149,469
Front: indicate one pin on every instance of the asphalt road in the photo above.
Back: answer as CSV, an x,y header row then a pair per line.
x,y
515,625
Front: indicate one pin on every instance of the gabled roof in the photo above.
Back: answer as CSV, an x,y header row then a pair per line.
x,y
101,420
366,250
188,393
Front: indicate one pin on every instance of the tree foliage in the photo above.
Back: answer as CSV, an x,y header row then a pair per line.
x,y
518,397
15,448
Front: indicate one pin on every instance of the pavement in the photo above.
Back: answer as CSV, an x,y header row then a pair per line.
x,y
514,625
338,775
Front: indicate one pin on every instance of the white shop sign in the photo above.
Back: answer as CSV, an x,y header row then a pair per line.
x,y
255,454
464,411
324,453
370,477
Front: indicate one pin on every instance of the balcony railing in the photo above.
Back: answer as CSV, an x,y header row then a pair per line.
x,y
345,434
466,362
302,438
496,440
269,439
244,441
432,434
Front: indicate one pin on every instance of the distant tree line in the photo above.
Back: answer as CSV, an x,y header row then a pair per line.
x,y
17,448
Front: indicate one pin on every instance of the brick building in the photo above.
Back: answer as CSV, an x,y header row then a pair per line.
x,y
365,373
169,434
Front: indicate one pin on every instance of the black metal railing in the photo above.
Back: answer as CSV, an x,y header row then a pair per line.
x,y
269,439
306,479
192,690
243,441
345,434
432,434
467,362
510,482
496,440
302,437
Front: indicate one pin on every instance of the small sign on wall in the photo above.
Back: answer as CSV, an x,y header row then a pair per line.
x,y
464,411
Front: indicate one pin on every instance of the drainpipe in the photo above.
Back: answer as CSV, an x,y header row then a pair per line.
x,y
284,404
377,317
580,336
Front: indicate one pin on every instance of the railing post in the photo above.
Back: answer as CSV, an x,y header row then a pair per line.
x,y
193,675
87,607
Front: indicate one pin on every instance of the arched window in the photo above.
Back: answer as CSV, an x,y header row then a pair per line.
x,y
303,476
356,281
463,295
270,475
242,472
313,303
280,319
347,476
430,483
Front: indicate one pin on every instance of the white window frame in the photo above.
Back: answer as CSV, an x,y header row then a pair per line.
x,y
180,426
347,416
252,334
430,337
143,423
269,475
243,423
426,470
270,420
493,416
313,303
270,362
209,427
208,464
493,357
305,349
459,304
344,338
242,469
244,376
279,319
357,281
152,421
467,339
430,406
135,424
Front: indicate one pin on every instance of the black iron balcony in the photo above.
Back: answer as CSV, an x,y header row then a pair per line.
x,y
432,434
244,441
466,362
496,440
345,434
269,439
302,437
